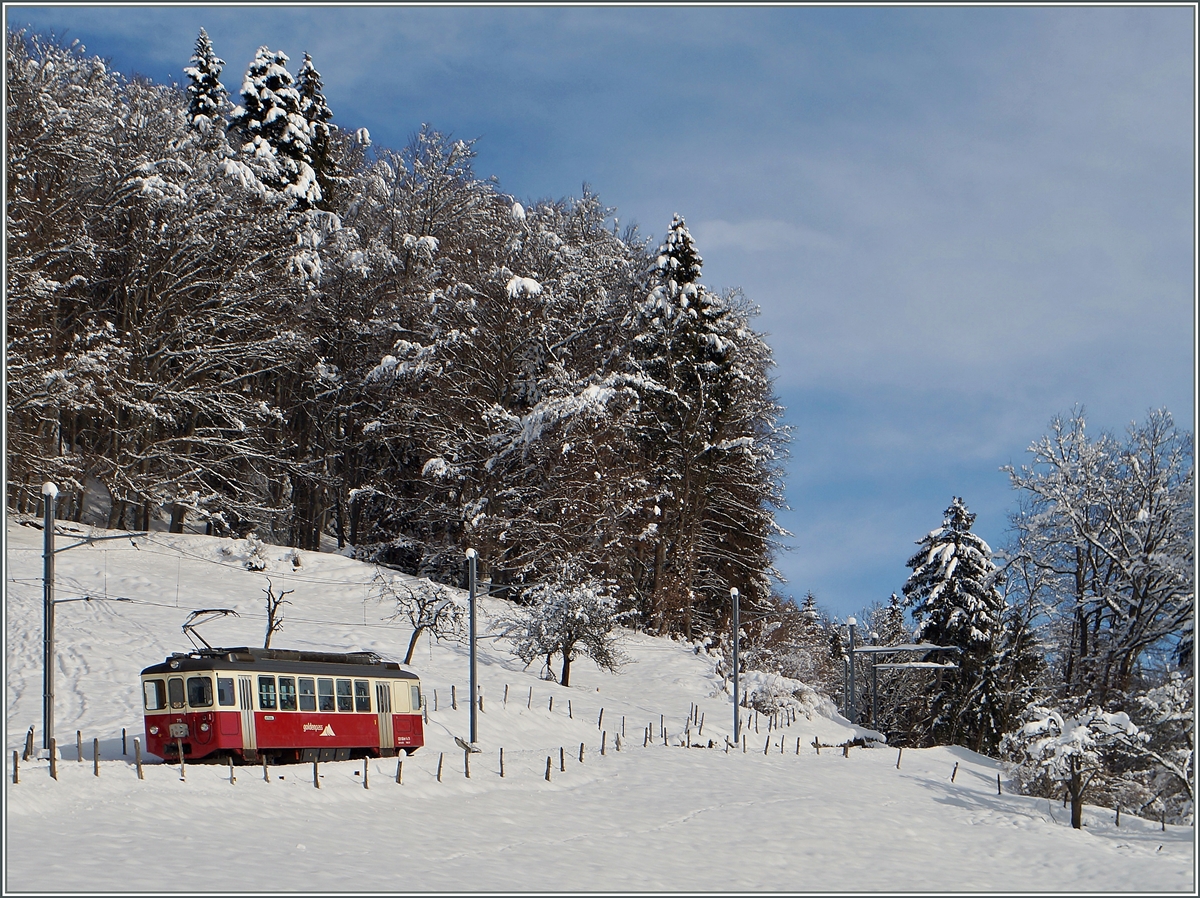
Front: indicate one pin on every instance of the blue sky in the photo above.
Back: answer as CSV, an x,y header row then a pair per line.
x,y
958,222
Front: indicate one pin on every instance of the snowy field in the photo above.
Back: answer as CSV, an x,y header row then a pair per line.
x,y
658,817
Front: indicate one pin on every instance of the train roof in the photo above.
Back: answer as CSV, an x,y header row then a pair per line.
x,y
346,664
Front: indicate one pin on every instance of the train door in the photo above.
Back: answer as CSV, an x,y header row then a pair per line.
x,y
383,704
246,696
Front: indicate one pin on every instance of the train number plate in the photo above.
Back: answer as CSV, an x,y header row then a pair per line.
x,y
179,730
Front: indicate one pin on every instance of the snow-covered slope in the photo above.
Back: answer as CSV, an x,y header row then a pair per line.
x,y
660,817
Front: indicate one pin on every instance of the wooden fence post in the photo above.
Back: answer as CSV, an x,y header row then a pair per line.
x,y
700,732
604,742
600,719
95,757
441,757
570,710
998,784
232,778
137,754
453,699
766,745
562,758
28,745
529,704
399,772
846,749
123,751
366,773
182,763
551,708
899,756
502,762
266,774
954,772
617,740
54,759
435,699
547,768
817,744
580,752
316,775
79,746
506,695
467,763
16,769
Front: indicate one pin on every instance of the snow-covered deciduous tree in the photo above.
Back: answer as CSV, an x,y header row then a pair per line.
x,y
954,600
1105,530
208,100
1057,747
427,606
568,617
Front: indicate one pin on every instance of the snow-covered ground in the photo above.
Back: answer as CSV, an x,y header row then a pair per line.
x,y
660,817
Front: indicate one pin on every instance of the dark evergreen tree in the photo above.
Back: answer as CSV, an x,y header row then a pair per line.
x,y
270,128
319,117
208,99
953,596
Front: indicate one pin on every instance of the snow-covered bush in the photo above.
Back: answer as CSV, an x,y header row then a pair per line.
x,y
768,693
251,552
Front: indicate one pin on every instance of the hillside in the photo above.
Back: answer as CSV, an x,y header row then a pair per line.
x,y
660,817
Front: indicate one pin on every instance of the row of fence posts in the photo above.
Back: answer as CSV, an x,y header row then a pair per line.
x,y
694,716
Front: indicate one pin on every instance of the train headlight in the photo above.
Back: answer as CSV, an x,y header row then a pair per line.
x,y
204,727
153,731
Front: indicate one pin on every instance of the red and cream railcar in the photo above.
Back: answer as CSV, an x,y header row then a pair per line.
x,y
280,704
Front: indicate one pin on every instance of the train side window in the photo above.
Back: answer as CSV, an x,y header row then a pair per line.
x,y
175,691
156,694
325,695
225,693
266,693
345,695
199,692
362,695
416,697
308,694
287,693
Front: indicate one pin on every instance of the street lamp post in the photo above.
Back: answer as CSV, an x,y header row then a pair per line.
x,y
471,560
50,495
737,714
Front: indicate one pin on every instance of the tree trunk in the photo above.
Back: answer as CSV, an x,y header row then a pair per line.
x,y
178,516
412,645
1075,788
566,669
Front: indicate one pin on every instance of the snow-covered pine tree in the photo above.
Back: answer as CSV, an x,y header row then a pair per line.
x,y
710,433
953,596
270,128
319,116
208,99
